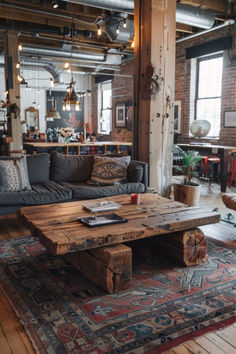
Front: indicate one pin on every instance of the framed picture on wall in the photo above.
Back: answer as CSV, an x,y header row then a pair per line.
x,y
230,119
120,115
177,117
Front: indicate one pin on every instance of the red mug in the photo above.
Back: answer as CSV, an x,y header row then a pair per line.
x,y
135,198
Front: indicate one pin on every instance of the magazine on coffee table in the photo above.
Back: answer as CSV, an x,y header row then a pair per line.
x,y
102,220
101,206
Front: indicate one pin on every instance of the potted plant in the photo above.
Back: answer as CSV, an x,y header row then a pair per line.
x,y
188,192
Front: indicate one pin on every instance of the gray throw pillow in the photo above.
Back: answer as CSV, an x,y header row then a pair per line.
x,y
135,173
109,171
38,168
14,175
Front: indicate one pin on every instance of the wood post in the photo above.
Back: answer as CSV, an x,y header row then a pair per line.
x,y
109,267
187,247
154,88
13,86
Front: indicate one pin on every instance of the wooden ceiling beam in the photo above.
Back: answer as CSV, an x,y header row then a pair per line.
x,y
213,5
183,28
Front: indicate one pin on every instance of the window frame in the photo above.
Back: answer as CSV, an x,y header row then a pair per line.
x,y
101,109
208,57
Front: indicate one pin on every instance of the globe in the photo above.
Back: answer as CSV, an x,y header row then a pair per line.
x,y
200,128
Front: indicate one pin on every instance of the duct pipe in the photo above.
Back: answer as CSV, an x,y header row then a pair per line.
x,y
113,5
194,16
45,52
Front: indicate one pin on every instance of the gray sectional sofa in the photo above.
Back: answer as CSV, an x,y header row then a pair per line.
x,y
58,178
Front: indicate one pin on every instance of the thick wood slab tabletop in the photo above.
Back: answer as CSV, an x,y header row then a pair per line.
x,y
59,231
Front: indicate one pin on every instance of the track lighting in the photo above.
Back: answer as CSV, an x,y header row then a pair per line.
x,y
99,30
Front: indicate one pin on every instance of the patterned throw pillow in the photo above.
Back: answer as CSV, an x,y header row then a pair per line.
x,y
109,171
14,175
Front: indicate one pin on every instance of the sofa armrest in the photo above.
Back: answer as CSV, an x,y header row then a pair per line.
x,y
133,174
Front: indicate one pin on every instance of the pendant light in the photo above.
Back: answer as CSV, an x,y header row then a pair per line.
x,y
71,102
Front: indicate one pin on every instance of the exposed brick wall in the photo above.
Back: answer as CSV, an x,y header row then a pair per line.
x,y
122,91
183,85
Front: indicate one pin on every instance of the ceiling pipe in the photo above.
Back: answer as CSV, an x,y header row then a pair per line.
x,y
126,6
194,16
227,23
46,52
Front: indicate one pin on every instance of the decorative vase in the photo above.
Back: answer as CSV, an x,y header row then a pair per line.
x,y
187,194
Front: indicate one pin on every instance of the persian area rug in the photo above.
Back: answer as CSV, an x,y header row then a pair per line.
x,y
63,312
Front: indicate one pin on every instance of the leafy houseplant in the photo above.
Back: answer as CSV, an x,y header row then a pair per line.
x,y
188,192
189,164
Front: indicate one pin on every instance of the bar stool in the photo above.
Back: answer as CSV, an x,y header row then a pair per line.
x,y
232,173
210,168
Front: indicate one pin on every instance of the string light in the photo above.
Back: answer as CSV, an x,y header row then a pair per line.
x,y
55,4
99,30
17,65
117,29
19,78
66,65
20,46
124,23
132,44
51,82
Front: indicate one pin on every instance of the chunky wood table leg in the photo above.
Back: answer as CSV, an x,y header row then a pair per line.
x,y
109,267
187,247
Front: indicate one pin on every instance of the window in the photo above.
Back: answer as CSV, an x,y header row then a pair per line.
x,y
104,108
208,91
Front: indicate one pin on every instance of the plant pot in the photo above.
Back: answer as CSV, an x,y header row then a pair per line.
x,y
187,194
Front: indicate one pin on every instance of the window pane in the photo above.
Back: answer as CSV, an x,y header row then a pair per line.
x,y
106,102
210,76
209,109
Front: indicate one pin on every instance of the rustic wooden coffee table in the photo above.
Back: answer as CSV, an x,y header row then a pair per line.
x,y
99,253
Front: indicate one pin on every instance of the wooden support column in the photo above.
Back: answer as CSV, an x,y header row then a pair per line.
x,y
13,86
154,88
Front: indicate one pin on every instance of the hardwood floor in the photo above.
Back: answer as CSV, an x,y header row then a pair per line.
x,y
14,340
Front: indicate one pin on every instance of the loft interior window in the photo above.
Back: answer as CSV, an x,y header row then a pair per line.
x,y
105,107
208,92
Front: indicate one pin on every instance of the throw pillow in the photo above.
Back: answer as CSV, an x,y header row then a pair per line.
x,y
109,171
14,175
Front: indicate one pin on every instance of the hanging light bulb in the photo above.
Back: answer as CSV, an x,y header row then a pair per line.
x,y
68,107
17,65
38,105
117,29
63,107
51,82
124,23
132,44
20,46
77,106
99,30
19,78
55,4
38,91
66,65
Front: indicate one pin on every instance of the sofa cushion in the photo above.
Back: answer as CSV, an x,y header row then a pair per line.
x,y
14,175
135,173
44,193
70,168
81,191
38,168
109,171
